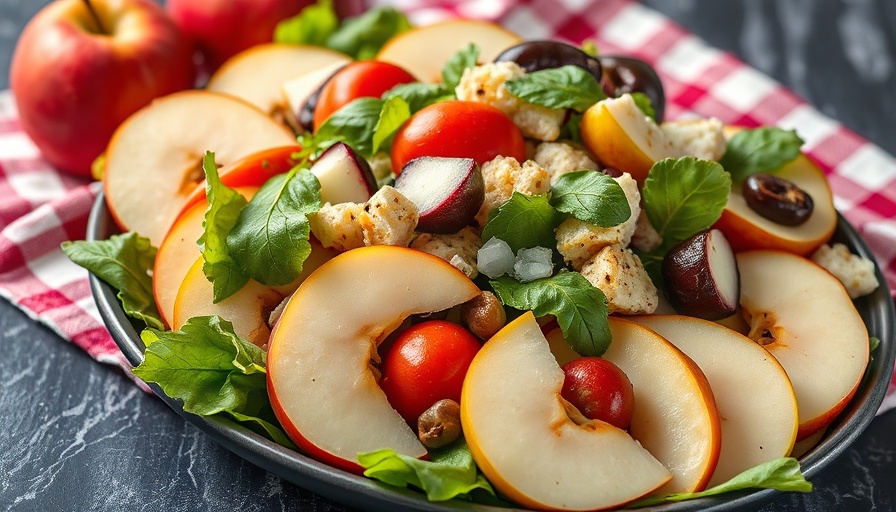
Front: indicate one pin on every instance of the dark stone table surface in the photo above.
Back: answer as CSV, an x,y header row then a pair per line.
x,y
76,435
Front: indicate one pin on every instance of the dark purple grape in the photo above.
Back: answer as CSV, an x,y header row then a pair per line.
x,y
538,55
305,115
624,75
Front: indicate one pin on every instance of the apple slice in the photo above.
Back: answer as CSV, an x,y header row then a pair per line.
x,y
535,447
257,74
448,192
320,381
746,229
300,94
423,51
802,314
154,160
344,176
758,423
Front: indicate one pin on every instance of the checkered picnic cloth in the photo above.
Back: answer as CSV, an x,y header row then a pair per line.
x,y
40,208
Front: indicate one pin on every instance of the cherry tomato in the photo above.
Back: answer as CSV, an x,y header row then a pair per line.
x,y
463,129
361,79
600,390
426,363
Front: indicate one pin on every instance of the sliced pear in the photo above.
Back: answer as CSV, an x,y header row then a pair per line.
x,y
320,381
535,447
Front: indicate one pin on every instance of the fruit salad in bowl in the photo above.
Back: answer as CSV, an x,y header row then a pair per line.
x,y
492,275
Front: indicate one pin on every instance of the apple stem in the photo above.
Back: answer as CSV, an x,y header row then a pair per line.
x,y
95,16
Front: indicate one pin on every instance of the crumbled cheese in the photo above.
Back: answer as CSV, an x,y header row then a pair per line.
x,y
503,176
855,272
485,84
578,241
459,249
387,218
645,237
559,158
700,138
336,226
620,275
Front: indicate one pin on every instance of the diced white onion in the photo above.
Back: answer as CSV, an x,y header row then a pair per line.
x,y
495,258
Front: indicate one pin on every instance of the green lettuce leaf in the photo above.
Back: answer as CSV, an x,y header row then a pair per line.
x,y
580,307
564,87
450,473
394,113
353,124
419,94
453,70
269,241
224,207
592,197
364,35
764,149
212,371
642,101
313,26
523,221
125,262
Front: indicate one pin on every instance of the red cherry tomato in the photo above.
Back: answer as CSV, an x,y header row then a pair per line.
x,y
426,363
361,79
463,129
600,390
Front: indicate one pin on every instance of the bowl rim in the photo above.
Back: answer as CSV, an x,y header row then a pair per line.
x,y
877,310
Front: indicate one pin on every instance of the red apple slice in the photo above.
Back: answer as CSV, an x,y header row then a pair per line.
x,y
802,314
320,381
153,162
344,176
759,422
448,192
536,448
424,50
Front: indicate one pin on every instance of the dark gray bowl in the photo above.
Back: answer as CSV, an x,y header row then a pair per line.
x,y
355,491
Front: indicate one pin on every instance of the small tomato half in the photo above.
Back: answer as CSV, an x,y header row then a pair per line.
x,y
360,79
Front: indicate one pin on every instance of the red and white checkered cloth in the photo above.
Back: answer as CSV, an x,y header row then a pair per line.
x,y
39,208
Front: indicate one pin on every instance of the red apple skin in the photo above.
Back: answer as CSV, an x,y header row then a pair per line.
x,y
74,86
223,28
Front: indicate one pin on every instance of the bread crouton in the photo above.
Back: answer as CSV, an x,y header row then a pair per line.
x,y
460,249
577,241
388,218
620,275
336,226
559,158
503,176
855,272
645,238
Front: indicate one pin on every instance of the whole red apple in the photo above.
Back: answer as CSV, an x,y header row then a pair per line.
x,y
600,390
78,72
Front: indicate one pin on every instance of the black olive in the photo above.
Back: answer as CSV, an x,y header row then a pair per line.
x,y
622,75
777,199
538,55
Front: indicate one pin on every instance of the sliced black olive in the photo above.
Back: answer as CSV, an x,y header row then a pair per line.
x,y
538,55
777,199
700,276
622,75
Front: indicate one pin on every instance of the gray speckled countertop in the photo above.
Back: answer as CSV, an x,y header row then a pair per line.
x,y
80,436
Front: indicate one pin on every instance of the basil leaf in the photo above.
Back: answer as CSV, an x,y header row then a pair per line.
x,y
592,197
761,150
642,101
313,26
213,371
454,69
224,207
572,129
782,474
353,124
873,343
523,221
419,94
124,261
580,307
269,241
394,113
363,36
684,196
564,87
449,473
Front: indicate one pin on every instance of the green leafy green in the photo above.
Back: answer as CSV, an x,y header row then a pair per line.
x,y
592,197
564,87
269,241
419,94
589,47
224,207
523,221
353,124
782,474
761,150
313,26
212,371
580,307
124,261
684,196
363,36
642,101
453,70
394,113
450,473
873,343
572,128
